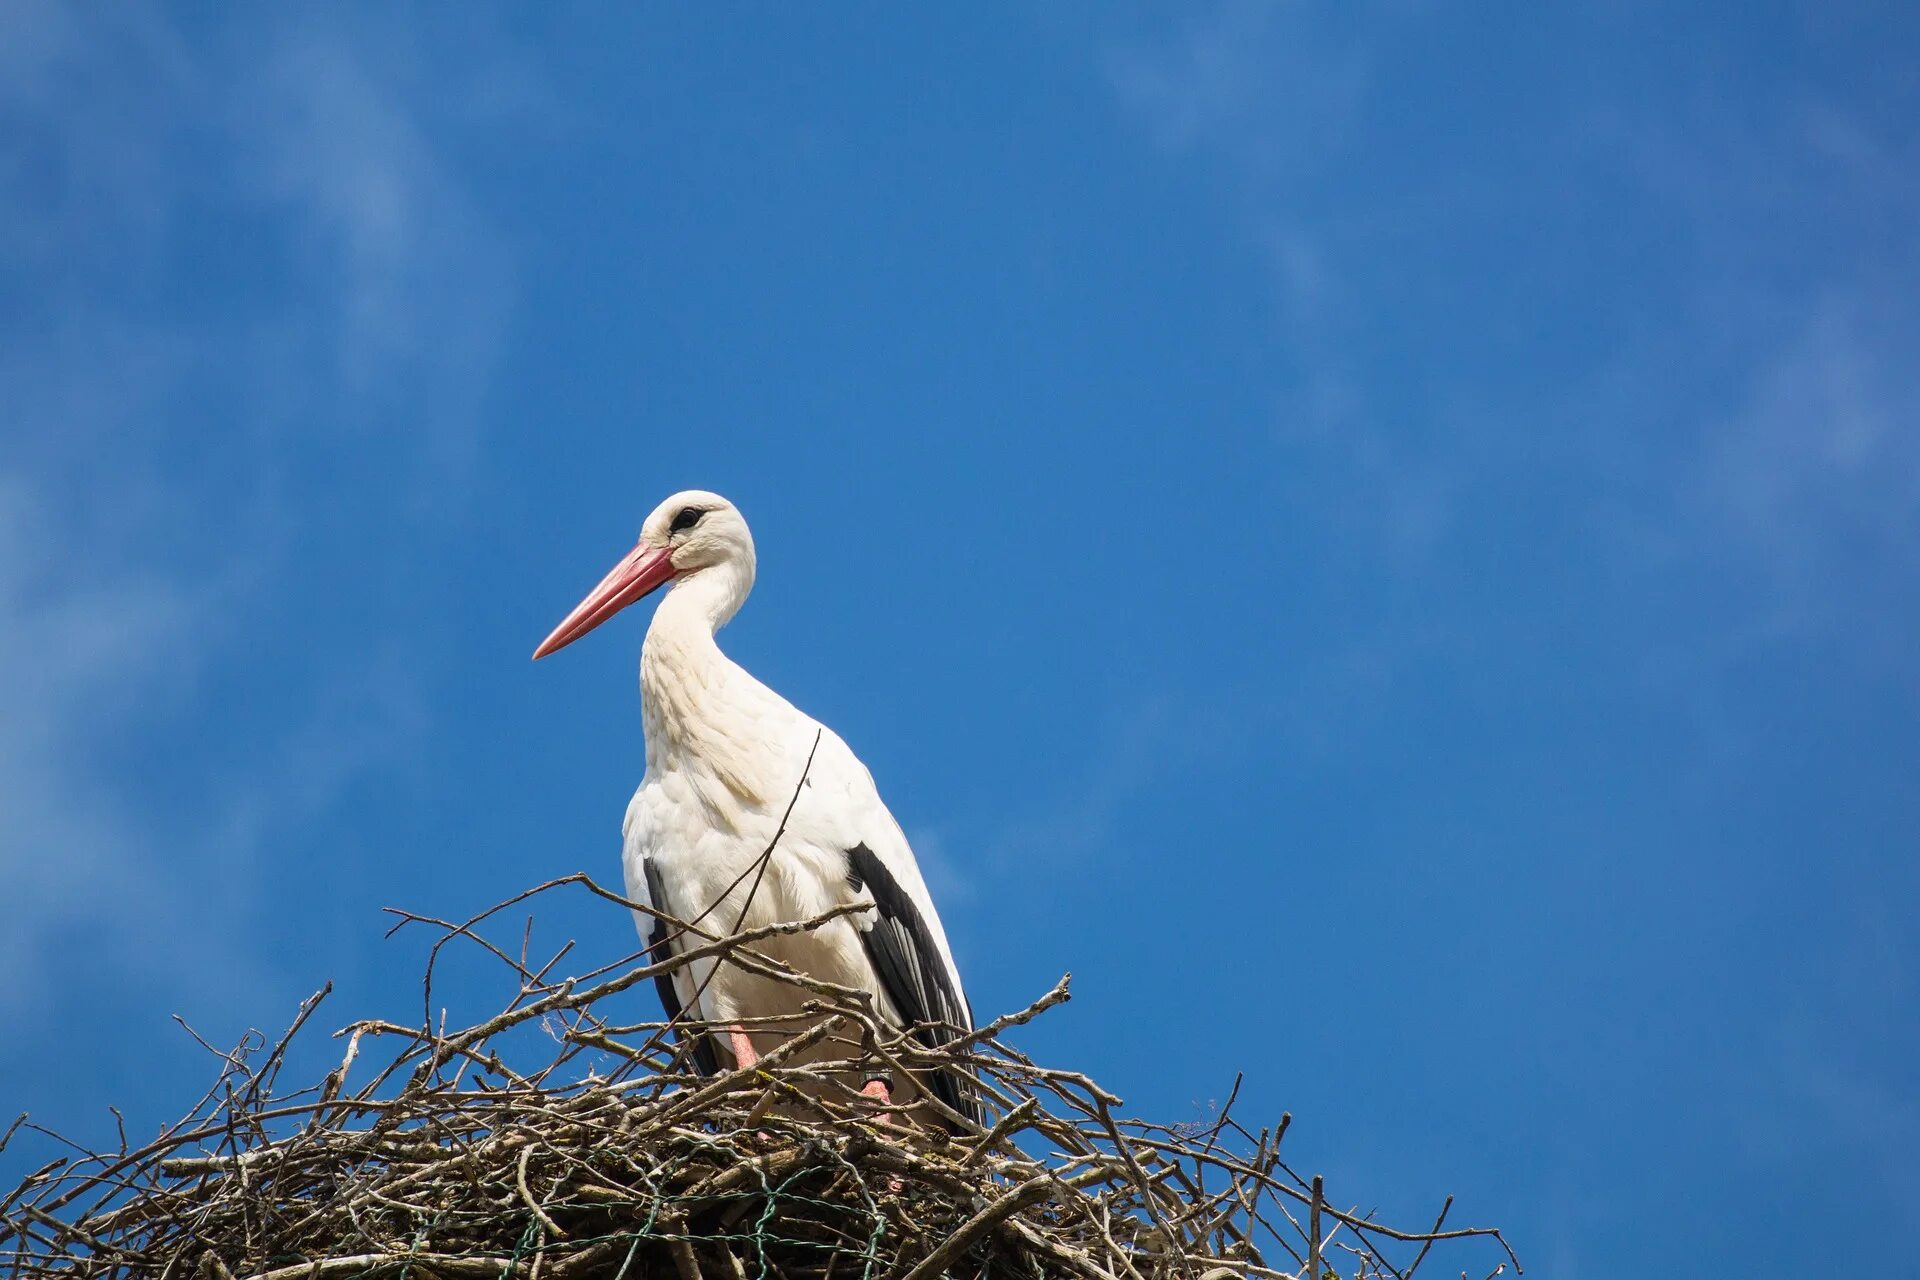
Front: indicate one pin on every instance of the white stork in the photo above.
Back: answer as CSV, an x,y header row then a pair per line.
x,y
726,758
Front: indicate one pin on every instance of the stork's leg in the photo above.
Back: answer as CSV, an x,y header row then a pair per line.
x,y
744,1054
880,1087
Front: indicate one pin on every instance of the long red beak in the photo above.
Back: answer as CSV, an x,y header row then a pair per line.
x,y
643,569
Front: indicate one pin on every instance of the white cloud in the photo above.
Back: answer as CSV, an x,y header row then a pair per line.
x,y
1823,451
1789,269
1838,1059
1271,95
1797,474
100,655
422,283
1266,86
123,571
1078,816
76,647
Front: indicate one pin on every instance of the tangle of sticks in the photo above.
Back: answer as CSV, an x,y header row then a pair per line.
x,y
554,1140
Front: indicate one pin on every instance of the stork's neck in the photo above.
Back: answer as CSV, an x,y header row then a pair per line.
x,y
701,707
703,601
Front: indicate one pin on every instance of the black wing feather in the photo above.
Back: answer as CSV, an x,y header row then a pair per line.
x,y
658,949
902,951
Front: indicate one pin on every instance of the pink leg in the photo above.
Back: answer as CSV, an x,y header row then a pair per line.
x,y
743,1050
882,1091
879,1088
745,1055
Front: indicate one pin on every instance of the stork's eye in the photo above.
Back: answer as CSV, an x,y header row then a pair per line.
x,y
686,518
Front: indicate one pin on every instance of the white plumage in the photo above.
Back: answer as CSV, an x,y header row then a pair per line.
x,y
725,758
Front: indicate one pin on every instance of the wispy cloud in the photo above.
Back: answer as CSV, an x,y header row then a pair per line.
x,y
78,648
145,512
1266,87
1271,97
1788,277
1077,816
1078,820
421,281
1821,460
1839,1057
1780,381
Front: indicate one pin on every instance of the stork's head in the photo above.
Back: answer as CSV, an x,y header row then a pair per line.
x,y
691,534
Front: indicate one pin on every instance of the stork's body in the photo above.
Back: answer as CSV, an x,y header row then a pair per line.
x,y
730,763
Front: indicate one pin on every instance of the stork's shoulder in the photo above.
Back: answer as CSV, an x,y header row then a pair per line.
x,y
841,794
665,813
646,810
844,811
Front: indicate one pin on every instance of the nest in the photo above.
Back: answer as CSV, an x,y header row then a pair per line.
x,y
552,1141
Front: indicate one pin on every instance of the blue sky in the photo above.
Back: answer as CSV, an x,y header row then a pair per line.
x,y
1386,538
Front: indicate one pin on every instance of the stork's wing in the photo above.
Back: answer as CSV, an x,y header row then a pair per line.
x,y
913,969
659,948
